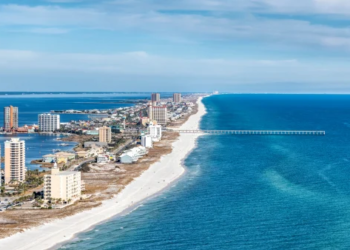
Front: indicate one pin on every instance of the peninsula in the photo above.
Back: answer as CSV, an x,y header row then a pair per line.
x,y
111,192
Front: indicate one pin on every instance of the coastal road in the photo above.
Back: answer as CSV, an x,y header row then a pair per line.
x,y
77,167
121,148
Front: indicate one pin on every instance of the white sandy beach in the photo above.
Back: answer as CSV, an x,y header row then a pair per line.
x,y
156,178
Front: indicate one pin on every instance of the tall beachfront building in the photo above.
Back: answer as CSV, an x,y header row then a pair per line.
x,y
177,98
146,141
65,185
158,113
155,131
105,134
10,118
48,122
155,97
15,157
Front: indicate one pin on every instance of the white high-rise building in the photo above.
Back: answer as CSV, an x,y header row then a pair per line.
x,y
177,97
49,122
15,159
65,185
155,131
146,141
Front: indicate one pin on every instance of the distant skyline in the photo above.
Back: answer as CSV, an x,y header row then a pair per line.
x,y
278,46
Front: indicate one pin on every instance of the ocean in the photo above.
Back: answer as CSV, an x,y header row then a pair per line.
x,y
30,105
250,192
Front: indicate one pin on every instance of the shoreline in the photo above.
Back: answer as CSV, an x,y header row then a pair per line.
x,y
157,178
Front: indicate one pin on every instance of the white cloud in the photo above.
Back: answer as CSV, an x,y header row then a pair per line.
x,y
138,63
144,17
141,63
261,6
141,71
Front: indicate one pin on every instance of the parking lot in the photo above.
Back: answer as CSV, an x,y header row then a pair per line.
x,y
4,203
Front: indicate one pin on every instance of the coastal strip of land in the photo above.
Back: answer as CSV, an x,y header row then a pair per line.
x,y
152,181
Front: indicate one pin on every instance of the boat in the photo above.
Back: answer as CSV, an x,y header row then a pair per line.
x,y
64,144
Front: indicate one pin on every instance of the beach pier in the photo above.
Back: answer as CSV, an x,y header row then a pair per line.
x,y
253,132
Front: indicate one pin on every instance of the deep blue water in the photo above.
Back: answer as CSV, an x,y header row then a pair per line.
x,y
31,105
250,192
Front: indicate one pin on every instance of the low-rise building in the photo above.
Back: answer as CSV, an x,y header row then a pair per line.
x,y
95,150
64,157
82,154
91,132
89,144
132,155
102,159
128,157
50,158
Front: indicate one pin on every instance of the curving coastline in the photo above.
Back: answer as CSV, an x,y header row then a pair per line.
x,y
153,180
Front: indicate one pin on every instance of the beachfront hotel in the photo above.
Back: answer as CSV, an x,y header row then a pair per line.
x,y
146,141
65,185
105,134
10,118
177,97
15,169
155,97
155,131
48,122
158,113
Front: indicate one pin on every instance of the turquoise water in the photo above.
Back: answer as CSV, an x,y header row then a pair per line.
x,y
250,192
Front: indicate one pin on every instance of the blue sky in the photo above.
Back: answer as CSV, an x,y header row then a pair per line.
x,y
182,45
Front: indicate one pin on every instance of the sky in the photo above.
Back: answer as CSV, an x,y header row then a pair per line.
x,y
275,46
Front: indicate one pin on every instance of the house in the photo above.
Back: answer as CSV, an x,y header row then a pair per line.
x,y
64,157
132,155
99,144
95,150
102,159
140,150
91,132
128,158
82,154
50,158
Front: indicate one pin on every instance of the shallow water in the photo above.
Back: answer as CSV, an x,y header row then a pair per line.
x,y
250,192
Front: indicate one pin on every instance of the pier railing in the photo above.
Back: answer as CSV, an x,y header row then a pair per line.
x,y
253,132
